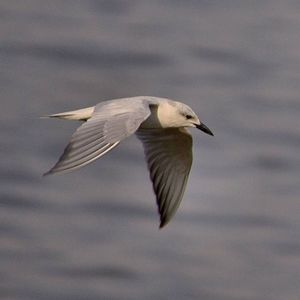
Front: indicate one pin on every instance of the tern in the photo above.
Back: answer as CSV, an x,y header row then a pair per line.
x,y
161,125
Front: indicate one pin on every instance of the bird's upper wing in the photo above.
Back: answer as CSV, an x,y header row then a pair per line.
x,y
169,157
111,122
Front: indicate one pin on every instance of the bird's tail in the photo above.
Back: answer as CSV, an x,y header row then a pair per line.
x,y
80,114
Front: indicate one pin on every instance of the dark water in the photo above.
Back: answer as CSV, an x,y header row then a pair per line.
x,y
93,234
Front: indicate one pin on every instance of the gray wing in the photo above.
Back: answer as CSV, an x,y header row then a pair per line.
x,y
111,122
169,157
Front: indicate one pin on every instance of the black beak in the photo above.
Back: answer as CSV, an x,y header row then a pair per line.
x,y
204,128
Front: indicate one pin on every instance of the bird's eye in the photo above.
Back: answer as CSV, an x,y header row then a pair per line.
x,y
188,117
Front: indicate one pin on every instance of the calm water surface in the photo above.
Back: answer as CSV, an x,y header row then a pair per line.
x,y
93,234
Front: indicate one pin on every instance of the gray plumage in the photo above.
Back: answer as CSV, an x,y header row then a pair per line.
x,y
158,122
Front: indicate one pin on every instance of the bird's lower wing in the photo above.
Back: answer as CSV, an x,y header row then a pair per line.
x,y
169,157
109,124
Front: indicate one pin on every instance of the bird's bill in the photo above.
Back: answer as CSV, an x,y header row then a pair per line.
x,y
204,128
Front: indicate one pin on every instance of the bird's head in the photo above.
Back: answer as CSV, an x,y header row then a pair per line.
x,y
187,118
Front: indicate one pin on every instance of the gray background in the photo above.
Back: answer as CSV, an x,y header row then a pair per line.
x,y
93,234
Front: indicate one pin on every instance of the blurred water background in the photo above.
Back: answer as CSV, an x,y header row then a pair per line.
x,y
93,233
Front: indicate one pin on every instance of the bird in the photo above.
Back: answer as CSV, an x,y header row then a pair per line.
x,y
159,123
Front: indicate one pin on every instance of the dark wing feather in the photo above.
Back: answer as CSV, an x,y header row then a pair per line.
x,y
169,157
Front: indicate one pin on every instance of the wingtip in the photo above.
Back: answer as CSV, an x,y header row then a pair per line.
x,y
50,172
47,173
162,224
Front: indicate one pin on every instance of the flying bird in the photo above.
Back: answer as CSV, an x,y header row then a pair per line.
x,y
159,123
